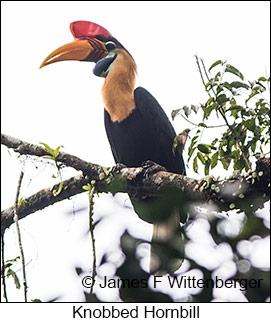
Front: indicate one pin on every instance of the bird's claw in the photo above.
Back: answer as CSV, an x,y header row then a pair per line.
x,y
205,182
117,168
150,168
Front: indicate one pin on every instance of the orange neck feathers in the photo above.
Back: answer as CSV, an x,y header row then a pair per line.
x,y
118,88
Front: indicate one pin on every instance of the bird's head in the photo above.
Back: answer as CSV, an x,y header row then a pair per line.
x,y
92,43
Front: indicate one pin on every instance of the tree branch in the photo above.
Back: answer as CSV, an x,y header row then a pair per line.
x,y
228,194
25,148
42,199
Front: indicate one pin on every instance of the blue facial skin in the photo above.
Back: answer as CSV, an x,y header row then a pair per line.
x,y
102,67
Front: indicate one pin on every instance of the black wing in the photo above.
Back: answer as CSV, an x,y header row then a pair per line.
x,y
146,134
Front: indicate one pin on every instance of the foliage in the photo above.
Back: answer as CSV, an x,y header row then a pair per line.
x,y
52,153
242,107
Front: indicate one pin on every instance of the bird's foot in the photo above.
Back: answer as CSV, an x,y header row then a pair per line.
x,y
150,168
117,168
205,182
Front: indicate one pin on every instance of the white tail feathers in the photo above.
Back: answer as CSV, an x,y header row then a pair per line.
x,y
167,232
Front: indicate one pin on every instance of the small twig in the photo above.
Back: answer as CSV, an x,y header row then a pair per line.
x,y
201,75
91,230
196,125
206,74
3,267
16,220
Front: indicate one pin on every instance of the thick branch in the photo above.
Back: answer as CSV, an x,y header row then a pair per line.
x,y
227,194
42,199
25,148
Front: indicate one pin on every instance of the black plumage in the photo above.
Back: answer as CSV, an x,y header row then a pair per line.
x,y
146,134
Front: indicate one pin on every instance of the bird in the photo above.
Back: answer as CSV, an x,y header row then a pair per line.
x,y
137,127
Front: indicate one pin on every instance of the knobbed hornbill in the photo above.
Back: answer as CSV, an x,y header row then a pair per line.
x,y
137,127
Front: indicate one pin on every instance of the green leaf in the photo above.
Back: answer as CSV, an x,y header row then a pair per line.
x,y
201,124
194,108
219,89
201,158
207,167
217,76
225,162
231,142
209,109
207,85
209,101
234,70
203,148
52,152
47,148
222,98
262,79
13,274
214,160
87,187
190,152
253,146
237,85
240,164
235,109
195,165
194,140
21,201
215,64
14,259
254,92
174,113
233,101
56,151
227,86
214,141
187,110
250,124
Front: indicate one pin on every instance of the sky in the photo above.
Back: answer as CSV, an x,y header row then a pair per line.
x,y
61,104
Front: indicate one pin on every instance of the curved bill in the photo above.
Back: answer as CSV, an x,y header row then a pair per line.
x,y
91,50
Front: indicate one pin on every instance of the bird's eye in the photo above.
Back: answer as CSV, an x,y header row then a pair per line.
x,y
110,45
